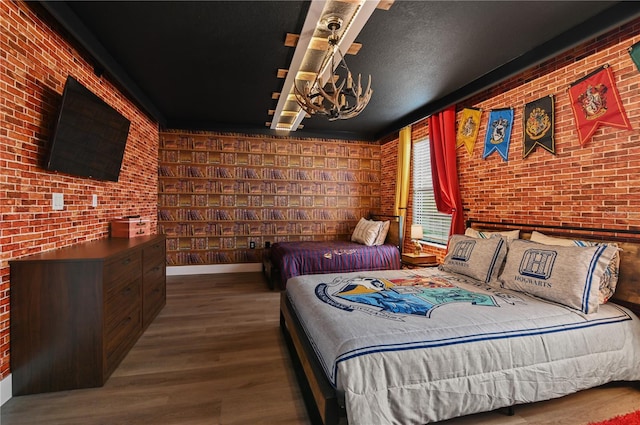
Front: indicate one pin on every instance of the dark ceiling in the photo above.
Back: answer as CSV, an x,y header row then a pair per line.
x,y
211,65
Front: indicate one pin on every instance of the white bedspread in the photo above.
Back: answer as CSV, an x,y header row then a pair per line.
x,y
422,345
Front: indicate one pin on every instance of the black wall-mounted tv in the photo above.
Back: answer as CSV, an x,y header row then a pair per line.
x,y
89,137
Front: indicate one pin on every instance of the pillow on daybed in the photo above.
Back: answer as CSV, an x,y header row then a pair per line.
x,y
609,279
566,275
507,234
477,258
382,235
366,232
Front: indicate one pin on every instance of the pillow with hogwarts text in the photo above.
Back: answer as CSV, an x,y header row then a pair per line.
x,y
568,275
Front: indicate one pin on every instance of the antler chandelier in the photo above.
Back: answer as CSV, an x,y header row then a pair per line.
x,y
338,97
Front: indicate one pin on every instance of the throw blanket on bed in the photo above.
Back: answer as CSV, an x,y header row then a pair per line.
x,y
423,345
299,258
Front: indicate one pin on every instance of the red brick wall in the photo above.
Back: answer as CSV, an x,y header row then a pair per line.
x,y
34,63
597,185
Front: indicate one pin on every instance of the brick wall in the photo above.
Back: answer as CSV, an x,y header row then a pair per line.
x,y
34,63
596,185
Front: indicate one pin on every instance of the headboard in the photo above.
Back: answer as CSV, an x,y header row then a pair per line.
x,y
628,288
396,228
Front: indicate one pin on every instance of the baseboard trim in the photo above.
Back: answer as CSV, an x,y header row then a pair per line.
x,y
214,268
5,390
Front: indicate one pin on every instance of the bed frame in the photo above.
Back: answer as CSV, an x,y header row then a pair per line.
x,y
320,397
395,237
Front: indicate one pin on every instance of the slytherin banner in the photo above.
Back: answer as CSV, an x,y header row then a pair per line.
x,y
468,129
539,124
595,101
634,52
498,133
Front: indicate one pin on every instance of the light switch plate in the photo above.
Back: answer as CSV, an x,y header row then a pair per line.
x,y
94,201
57,201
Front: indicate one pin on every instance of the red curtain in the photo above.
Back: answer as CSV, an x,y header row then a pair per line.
x,y
444,169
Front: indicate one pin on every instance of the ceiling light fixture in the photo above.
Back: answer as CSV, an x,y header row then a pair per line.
x,y
339,96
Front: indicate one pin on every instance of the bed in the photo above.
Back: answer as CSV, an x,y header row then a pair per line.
x,y
423,345
289,259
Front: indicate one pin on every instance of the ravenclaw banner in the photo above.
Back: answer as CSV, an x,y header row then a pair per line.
x,y
538,122
595,101
498,133
468,128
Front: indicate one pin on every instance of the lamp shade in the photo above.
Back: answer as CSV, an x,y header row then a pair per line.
x,y
416,231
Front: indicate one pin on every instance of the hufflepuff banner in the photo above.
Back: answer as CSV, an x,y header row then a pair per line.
x,y
539,124
498,133
468,128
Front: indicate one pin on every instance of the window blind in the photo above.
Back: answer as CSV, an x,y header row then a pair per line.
x,y
435,225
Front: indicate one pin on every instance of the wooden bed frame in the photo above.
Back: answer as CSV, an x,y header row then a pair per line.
x,y
321,397
395,237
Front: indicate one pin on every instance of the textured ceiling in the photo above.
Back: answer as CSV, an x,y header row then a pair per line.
x,y
212,65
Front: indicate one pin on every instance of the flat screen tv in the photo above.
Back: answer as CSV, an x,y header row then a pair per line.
x,y
89,136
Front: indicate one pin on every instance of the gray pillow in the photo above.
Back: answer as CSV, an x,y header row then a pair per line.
x,y
609,279
507,234
480,259
366,232
563,274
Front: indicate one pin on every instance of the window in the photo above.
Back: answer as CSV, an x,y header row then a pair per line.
x,y
435,225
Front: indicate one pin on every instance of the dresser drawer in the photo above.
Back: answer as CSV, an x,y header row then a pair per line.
x,y
154,299
121,335
154,271
122,269
154,254
120,298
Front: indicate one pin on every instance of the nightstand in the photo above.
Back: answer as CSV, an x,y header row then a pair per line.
x,y
419,260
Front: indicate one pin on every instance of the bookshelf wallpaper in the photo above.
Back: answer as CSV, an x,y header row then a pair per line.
x,y
224,197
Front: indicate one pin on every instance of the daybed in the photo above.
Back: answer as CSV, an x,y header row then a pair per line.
x,y
288,259
490,328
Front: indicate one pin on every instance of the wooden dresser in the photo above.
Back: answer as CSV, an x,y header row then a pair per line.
x,y
77,311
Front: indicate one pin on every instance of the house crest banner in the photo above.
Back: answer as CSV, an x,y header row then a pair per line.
x,y
498,133
595,101
539,123
634,52
468,129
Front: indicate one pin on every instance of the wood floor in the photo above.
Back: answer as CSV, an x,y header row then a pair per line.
x,y
215,355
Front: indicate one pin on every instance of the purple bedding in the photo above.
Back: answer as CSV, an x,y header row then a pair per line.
x,y
300,258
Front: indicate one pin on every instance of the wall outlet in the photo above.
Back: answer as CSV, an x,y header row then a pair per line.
x,y
267,244
57,201
252,245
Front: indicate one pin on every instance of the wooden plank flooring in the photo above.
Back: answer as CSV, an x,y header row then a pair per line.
x,y
215,355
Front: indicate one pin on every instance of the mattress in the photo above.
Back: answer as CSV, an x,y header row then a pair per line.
x,y
424,345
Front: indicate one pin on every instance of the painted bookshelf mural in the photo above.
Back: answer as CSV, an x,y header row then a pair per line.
x,y
223,198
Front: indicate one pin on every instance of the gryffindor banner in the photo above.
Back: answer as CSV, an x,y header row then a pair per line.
x,y
538,122
595,101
